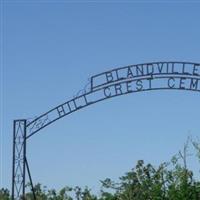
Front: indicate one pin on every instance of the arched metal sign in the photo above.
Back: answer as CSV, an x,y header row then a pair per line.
x,y
112,83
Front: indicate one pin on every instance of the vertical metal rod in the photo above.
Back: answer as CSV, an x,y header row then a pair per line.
x,y
24,160
13,162
29,174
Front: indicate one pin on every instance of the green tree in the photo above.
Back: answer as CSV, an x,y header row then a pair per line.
x,y
4,194
168,181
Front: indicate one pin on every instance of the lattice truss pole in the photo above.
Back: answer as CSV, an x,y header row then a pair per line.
x,y
19,157
20,163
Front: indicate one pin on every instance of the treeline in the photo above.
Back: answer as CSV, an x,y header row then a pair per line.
x,y
169,181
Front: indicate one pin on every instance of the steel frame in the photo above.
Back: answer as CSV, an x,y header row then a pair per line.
x,y
24,129
19,153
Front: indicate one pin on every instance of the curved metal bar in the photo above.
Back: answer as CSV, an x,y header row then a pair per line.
x,y
119,68
146,65
133,85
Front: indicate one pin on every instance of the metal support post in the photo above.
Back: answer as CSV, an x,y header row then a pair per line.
x,y
19,160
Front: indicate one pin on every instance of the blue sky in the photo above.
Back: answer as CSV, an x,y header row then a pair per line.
x,y
51,48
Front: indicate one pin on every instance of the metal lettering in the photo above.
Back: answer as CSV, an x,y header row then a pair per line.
x,y
118,89
160,67
167,68
183,69
86,101
129,73
109,77
107,89
182,82
173,69
128,86
75,104
139,85
117,75
150,79
61,111
133,71
194,84
171,80
149,72
140,70
69,107
195,70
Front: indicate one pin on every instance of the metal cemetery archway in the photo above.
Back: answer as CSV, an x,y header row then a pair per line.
x,y
116,82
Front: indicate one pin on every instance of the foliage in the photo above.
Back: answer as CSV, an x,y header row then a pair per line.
x,y
168,181
4,194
